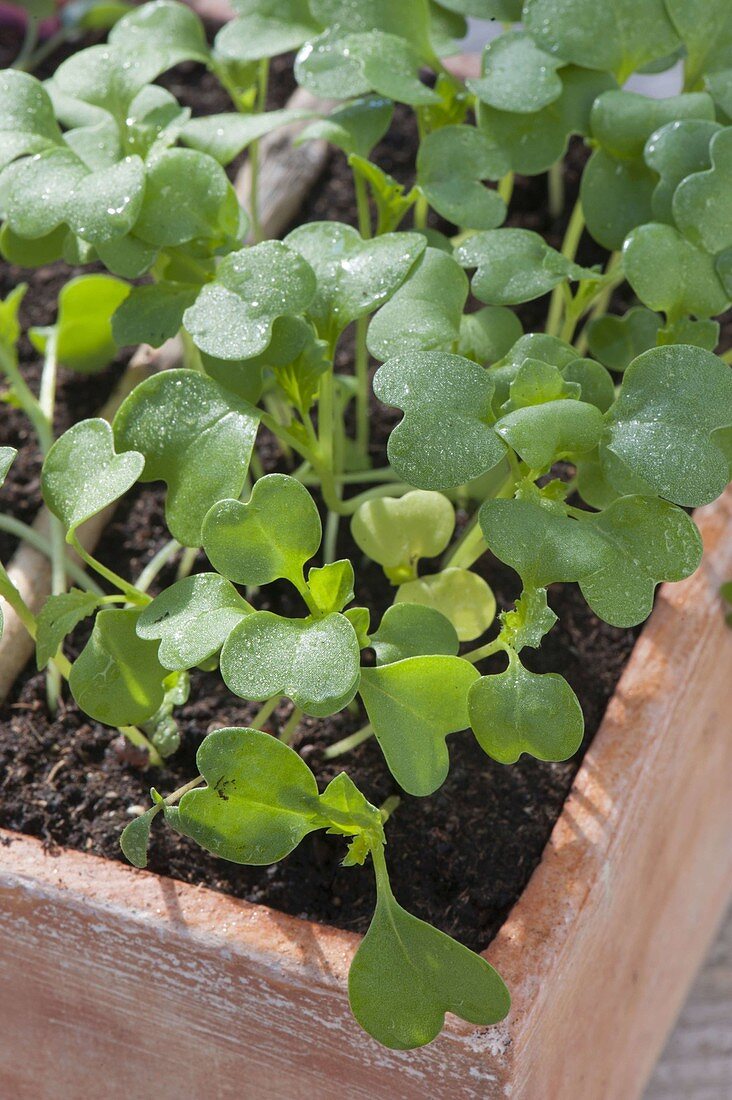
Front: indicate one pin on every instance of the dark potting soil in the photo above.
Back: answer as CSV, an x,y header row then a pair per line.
x,y
459,858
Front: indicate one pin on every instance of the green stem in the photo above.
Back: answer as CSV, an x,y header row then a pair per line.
x,y
10,593
330,540
53,43
134,596
362,205
47,403
156,563
175,796
30,38
186,563
264,712
387,807
469,547
254,160
482,651
26,399
27,534
362,387
289,729
421,210
575,228
137,737
348,743
505,187
555,180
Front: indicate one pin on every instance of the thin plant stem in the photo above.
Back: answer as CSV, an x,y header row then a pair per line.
x,y
330,539
30,39
44,50
254,160
134,596
26,399
387,807
555,184
505,187
27,534
186,563
47,403
468,548
482,651
175,796
575,229
289,729
137,737
264,712
421,210
165,554
347,743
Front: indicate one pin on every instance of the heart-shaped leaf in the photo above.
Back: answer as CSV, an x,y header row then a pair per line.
x,y
271,536
451,163
58,617
27,121
82,473
165,31
540,434
617,556
187,196
313,662
195,436
669,273
105,204
265,28
675,151
413,705
406,975
445,438
397,531
260,801
36,191
705,28
338,65
152,314
413,630
84,340
595,383
489,334
515,265
617,36
232,317
425,312
192,619
666,425
117,678
617,341
518,711
354,276
517,75
462,597
355,127
702,203
533,142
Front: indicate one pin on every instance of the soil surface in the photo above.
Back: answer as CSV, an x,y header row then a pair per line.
x,y
460,858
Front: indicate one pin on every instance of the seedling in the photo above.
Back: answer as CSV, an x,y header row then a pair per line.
x,y
574,451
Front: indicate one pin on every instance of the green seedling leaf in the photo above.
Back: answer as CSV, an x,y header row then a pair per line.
x,y
719,86
445,438
508,11
354,276
462,597
117,678
413,705
406,975
260,801
518,711
224,137
105,204
541,434
313,662
537,382
356,127
300,378
451,164
36,191
533,346
192,619
126,257
425,313
413,630
83,473
702,203
397,531
389,198
666,425
670,274
617,556
195,436
616,36
515,265
360,620
152,314
617,341
592,485
27,121
517,75
489,334
84,340
232,317
135,838
58,617
352,816
338,65
271,536
7,457
702,334
595,383
331,586
164,31
187,196
265,28
26,253
675,151
528,622
705,28
533,142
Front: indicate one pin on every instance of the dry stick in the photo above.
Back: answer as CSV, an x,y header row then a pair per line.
x,y
29,569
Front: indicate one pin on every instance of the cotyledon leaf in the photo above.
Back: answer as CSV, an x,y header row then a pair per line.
x,y
463,597
413,630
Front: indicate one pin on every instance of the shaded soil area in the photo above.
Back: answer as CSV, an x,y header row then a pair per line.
x,y
459,858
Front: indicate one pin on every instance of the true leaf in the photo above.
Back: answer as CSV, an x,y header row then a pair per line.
x,y
117,679
515,265
313,662
413,705
354,276
518,711
340,65
82,473
517,75
195,436
397,531
413,630
541,434
232,317
331,585
666,425
527,622
271,536
461,596
58,617
260,800
445,437
670,274
451,163
595,383
192,619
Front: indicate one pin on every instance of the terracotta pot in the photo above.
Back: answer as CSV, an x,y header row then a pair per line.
x,y
116,979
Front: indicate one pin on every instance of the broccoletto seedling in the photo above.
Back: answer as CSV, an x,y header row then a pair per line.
x,y
576,451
